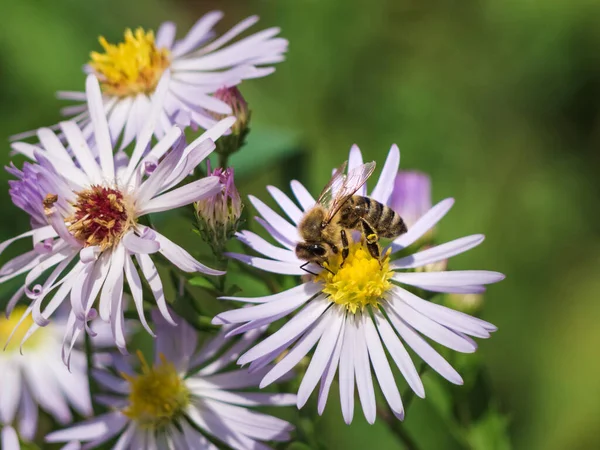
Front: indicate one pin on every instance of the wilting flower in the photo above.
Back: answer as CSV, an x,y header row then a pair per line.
x,y
218,216
86,215
184,396
36,379
200,64
411,196
352,312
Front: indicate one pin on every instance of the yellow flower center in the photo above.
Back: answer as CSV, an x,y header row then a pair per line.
x,y
130,67
157,395
8,325
102,216
360,281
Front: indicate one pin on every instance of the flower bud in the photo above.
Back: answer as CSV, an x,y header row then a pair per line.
x,y
467,303
411,197
233,97
219,216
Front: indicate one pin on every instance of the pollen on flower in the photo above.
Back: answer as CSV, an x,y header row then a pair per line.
x,y
8,326
361,281
102,216
130,67
157,395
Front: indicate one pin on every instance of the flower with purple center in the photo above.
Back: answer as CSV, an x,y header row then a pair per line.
x,y
186,400
35,379
85,216
351,312
200,64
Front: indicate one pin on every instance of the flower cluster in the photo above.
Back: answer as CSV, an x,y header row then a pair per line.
x,y
97,187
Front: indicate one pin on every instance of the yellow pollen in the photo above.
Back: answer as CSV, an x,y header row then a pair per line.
x,y
157,395
131,67
8,325
361,281
102,215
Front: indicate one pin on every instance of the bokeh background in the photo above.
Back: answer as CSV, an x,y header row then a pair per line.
x,y
498,101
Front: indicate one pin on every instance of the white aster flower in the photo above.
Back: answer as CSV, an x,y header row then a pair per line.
x,y
37,379
85,218
200,64
186,400
352,313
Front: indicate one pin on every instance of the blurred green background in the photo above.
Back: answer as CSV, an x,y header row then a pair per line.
x,y
498,101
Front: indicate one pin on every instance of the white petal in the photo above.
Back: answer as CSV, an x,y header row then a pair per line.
x,y
282,225
286,204
113,286
181,258
10,379
292,329
82,152
135,286
137,244
10,440
101,133
362,371
438,253
190,193
451,278
423,225
450,318
257,243
334,320
383,190
432,329
382,369
152,277
196,34
289,301
425,351
96,428
332,365
165,35
399,354
346,375
301,289
302,195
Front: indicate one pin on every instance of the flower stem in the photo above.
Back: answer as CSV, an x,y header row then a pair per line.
x,y
396,427
89,355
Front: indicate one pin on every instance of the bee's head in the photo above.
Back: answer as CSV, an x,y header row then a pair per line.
x,y
310,251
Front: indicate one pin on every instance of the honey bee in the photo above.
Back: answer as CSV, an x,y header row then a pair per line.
x,y
323,228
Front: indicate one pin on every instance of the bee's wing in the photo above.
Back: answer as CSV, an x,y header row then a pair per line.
x,y
351,183
335,183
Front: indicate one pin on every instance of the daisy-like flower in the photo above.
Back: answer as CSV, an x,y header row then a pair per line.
x,y
351,312
85,216
37,379
184,397
200,64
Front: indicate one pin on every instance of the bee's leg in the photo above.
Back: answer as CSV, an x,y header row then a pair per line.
x,y
371,239
345,249
306,270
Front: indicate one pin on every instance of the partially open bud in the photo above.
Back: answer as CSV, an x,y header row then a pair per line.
x,y
411,197
219,216
233,97
467,303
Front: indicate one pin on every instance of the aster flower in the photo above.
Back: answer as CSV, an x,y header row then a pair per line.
x,y
186,400
35,379
85,218
200,64
352,313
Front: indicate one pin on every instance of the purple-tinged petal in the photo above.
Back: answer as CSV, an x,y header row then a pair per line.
x,y
384,187
438,253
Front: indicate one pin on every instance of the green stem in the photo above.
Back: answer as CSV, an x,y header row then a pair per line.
x,y
396,427
89,354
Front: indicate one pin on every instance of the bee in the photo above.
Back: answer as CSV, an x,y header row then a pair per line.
x,y
324,227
